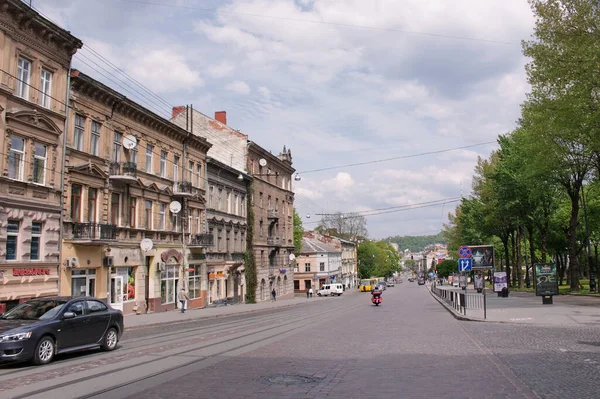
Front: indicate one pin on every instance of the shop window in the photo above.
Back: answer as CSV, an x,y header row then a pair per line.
x,y
128,280
83,282
168,284
194,282
12,238
36,236
76,203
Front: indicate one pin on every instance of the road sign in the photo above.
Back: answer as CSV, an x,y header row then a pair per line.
x,y
465,265
464,252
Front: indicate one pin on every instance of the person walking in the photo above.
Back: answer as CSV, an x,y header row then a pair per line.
x,y
310,291
273,295
183,297
307,293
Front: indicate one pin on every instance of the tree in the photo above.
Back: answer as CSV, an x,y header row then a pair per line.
x,y
446,268
298,232
349,226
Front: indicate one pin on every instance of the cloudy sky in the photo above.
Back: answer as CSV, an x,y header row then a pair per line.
x,y
338,82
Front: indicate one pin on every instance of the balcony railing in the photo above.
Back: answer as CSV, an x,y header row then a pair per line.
x,y
183,188
123,171
274,241
237,256
273,214
202,240
94,231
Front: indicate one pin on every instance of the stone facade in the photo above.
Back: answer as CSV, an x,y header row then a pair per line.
x,y
125,168
273,206
35,56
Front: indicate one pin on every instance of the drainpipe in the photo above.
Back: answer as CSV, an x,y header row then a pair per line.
x,y
62,179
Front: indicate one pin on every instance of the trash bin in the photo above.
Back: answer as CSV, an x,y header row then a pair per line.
x,y
505,292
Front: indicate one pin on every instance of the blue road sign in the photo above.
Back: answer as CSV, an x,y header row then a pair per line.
x,y
465,265
464,252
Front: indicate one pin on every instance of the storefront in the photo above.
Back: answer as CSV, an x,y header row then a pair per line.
x,y
21,283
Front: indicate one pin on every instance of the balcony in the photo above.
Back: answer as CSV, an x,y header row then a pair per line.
x,y
237,256
183,189
202,241
94,232
123,171
274,241
273,214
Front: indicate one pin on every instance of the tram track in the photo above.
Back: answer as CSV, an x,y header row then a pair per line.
x,y
301,318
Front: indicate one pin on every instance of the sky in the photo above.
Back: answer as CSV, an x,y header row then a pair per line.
x,y
339,82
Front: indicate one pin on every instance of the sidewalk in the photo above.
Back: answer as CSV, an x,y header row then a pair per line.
x,y
526,308
133,321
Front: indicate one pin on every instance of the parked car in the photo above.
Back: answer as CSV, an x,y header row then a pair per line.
x,y
39,329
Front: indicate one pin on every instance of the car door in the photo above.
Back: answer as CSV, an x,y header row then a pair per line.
x,y
99,317
73,331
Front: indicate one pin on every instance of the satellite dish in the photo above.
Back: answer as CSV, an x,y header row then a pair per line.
x,y
308,215
129,142
175,207
292,256
146,244
262,162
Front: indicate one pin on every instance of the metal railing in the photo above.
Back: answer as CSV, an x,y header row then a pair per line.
x,y
460,301
183,188
94,231
202,240
123,169
274,241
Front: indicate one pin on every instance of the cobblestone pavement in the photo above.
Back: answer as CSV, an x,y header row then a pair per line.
x,y
410,347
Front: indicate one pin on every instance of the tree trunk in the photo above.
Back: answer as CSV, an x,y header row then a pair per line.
x,y
544,241
519,258
504,239
513,260
572,239
561,268
533,260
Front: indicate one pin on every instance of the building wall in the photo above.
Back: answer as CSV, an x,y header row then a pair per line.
x,y
32,117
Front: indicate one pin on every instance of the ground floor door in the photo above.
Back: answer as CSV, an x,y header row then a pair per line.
x,y
116,292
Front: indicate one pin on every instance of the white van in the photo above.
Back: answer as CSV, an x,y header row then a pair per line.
x,y
331,289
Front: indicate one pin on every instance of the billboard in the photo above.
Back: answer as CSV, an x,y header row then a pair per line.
x,y
546,279
483,256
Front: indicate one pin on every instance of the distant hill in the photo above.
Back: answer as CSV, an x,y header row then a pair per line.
x,y
416,243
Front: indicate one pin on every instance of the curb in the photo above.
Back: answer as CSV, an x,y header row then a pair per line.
x,y
217,316
456,315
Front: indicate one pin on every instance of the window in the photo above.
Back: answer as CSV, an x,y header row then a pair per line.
x,y
148,214
78,132
236,205
161,216
190,171
39,164
198,175
163,163
190,222
83,282
261,199
210,196
45,88
12,237
296,284
15,159
115,205
219,199
36,236
307,267
132,211
260,228
127,281
24,78
243,206
167,284
76,203
117,140
96,306
149,150
176,168
228,199
198,221
322,266
92,201
133,155
95,138
78,308
194,281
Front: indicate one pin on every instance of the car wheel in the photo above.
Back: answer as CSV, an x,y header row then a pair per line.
x,y
111,338
44,351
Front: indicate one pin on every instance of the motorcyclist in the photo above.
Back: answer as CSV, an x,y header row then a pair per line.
x,y
376,290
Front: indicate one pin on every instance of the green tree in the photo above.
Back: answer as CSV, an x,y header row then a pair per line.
x,y
298,232
447,267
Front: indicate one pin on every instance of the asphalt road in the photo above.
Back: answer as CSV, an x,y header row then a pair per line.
x,y
344,347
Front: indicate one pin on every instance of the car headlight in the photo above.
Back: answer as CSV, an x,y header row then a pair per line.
x,y
15,337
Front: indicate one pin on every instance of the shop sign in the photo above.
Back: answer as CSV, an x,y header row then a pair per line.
x,y
212,276
31,272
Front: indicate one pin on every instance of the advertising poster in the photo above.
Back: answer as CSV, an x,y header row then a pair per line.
x,y
479,282
500,281
483,256
546,279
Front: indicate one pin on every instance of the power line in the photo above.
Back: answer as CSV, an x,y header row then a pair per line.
x,y
377,28
364,213
396,158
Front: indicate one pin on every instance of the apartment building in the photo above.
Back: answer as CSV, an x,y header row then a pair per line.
x,y
134,224
35,56
318,263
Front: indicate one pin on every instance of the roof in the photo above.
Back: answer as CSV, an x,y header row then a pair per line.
x,y
312,245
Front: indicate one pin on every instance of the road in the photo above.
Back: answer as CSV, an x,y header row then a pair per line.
x,y
344,347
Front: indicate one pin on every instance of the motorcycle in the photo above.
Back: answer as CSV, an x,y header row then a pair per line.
x,y
376,298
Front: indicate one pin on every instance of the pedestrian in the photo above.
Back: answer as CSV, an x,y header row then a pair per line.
x,y
307,293
274,295
183,297
310,291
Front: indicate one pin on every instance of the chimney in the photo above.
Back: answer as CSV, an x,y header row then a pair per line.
x,y
221,116
177,110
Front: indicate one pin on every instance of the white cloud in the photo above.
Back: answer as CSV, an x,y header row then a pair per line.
x,y
238,87
221,70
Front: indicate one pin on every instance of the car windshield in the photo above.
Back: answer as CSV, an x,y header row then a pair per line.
x,y
34,310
